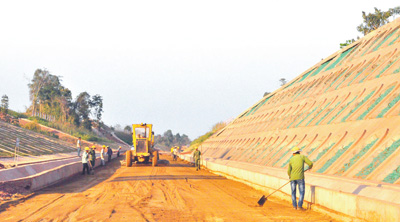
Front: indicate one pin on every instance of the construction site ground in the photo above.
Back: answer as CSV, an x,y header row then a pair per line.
x,y
174,192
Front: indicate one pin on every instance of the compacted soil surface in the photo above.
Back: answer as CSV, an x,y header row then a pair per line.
x,y
169,192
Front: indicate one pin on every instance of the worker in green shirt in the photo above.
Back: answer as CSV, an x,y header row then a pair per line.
x,y
196,158
296,176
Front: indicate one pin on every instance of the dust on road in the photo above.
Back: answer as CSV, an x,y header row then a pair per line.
x,y
176,192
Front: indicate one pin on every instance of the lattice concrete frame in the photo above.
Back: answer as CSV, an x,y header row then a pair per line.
x,y
343,112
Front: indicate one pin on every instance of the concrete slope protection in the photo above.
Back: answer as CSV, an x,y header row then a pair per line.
x,y
344,115
175,192
30,143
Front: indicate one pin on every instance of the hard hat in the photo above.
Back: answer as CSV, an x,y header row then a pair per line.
x,y
295,149
94,147
119,146
87,148
104,145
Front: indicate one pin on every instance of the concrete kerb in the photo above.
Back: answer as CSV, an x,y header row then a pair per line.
x,y
347,206
46,178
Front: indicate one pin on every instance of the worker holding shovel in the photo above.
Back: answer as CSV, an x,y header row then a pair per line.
x,y
296,176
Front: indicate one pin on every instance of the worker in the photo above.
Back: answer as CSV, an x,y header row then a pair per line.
x,y
119,150
175,153
296,176
102,152
79,146
196,158
85,158
109,153
93,156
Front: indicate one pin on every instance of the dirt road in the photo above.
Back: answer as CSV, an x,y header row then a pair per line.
x,y
176,192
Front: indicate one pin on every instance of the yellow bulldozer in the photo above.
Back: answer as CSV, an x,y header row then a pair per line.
x,y
143,142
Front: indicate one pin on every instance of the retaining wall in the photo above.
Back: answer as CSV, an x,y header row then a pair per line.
x,y
45,178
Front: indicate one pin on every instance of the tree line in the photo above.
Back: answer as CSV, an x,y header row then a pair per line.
x,y
51,101
373,21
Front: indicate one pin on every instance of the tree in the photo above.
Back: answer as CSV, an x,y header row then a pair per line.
x,y
128,128
49,99
82,109
348,42
97,104
372,21
4,103
283,81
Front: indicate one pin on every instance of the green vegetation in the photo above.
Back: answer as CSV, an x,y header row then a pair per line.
x,y
372,21
378,160
334,158
4,104
52,101
393,176
323,152
199,140
168,140
70,129
34,126
356,157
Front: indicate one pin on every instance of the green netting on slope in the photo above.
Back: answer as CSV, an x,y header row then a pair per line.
x,y
252,149
327,113
259,105
383,41
323,152
343,55
263,152
287,161
355,77
305,76
321,67
280,148
393,176
295,120
377,101
334,158
383,70
356,157
391,43
371,45
378,160
344,79
362,80
396,71
319,112
335,80
312,149
307,115
389,106
358,106
344,107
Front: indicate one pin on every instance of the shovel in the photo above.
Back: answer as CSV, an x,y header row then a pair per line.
x,y
91,170
264,198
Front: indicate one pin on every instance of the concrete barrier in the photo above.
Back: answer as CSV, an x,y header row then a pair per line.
x,y
353,198
52,175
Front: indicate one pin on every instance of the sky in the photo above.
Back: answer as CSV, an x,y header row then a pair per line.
x,y
180,65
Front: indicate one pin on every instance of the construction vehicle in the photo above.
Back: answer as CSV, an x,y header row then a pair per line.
x,y
143,141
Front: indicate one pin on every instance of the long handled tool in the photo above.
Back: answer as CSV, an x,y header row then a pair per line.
x,y
264,198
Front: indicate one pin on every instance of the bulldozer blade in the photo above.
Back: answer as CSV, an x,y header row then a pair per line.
x,y
262,200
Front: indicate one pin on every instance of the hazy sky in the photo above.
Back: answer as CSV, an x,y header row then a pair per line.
x,y
181,65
